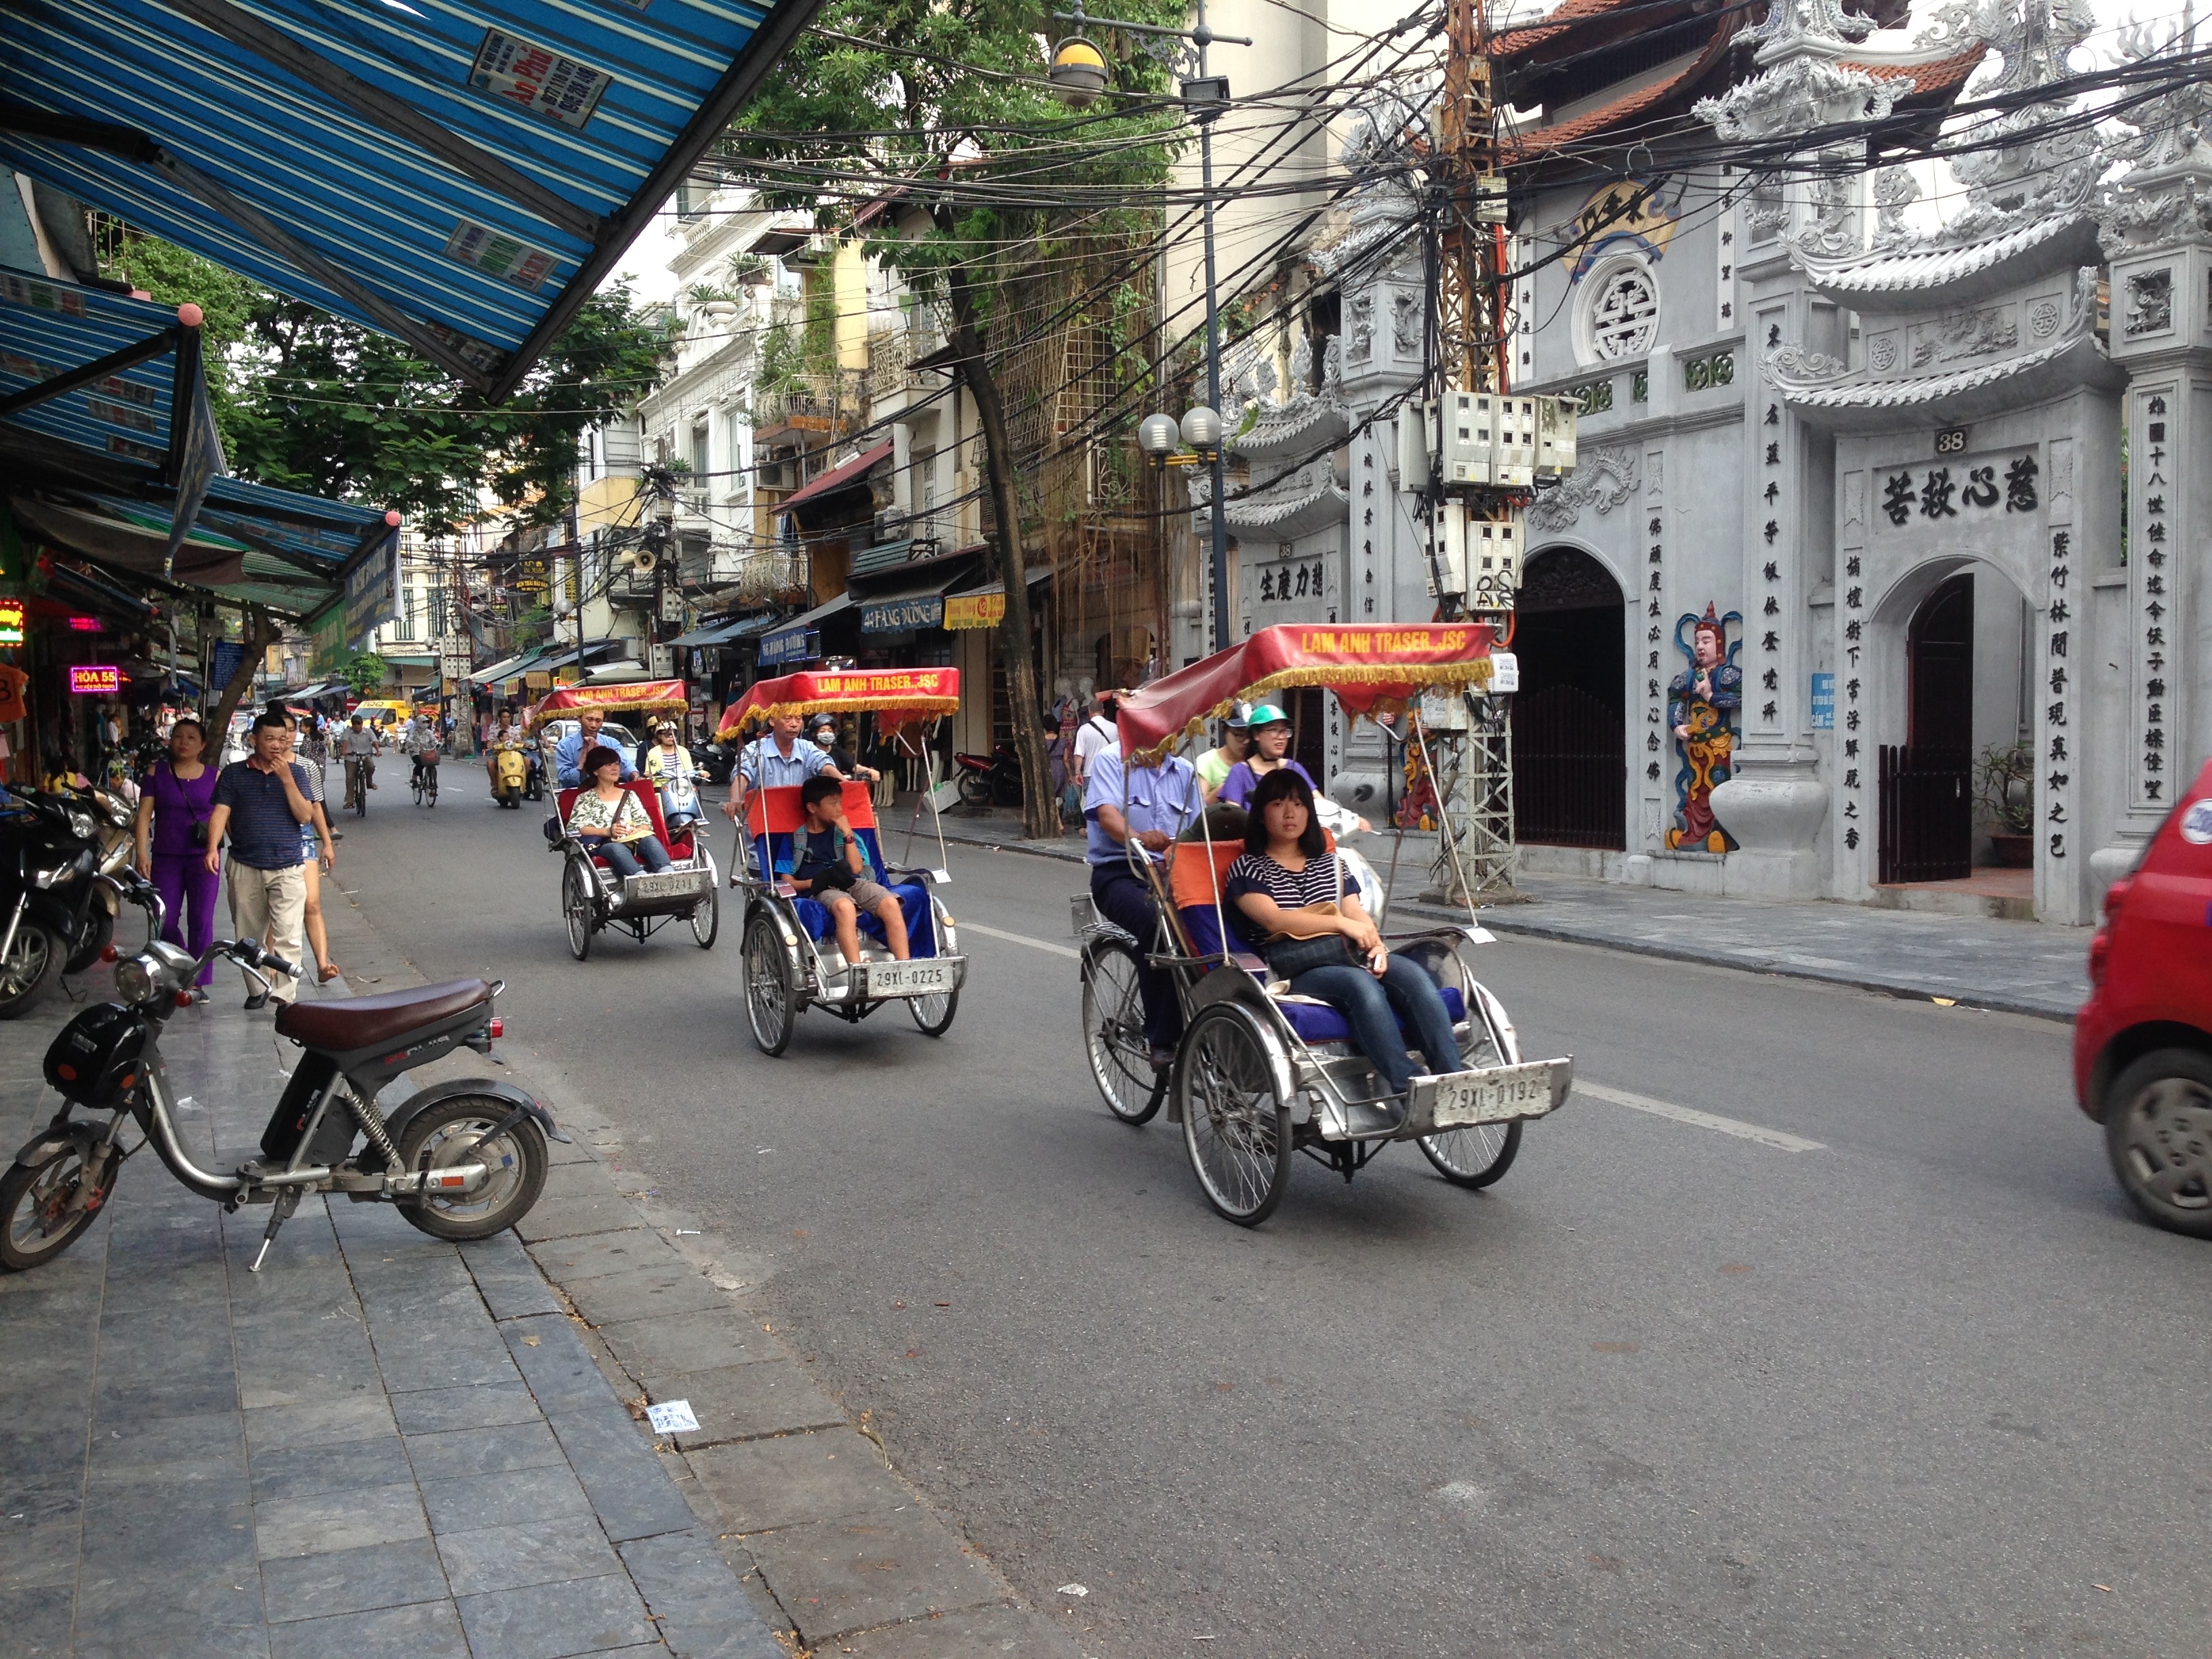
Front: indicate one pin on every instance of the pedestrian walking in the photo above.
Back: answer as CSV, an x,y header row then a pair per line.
x,y
262,803
176,799
318,858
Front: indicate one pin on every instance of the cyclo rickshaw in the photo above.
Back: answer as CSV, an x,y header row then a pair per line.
x,y
592,896
786,966
1260,1073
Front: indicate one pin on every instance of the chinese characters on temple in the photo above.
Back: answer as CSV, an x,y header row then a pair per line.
x,y
1943,491
2154,598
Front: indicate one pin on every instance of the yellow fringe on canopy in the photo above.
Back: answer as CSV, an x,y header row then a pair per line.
x,y
665,706
910,709
1476,672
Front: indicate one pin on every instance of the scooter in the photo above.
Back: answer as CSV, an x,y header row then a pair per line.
x,y
510,775
462,1159
50,855
990,780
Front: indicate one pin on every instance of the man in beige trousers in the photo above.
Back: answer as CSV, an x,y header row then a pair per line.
x,y
262,802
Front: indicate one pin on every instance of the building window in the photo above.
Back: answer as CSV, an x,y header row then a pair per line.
x,y
407,613
1620,314
702,455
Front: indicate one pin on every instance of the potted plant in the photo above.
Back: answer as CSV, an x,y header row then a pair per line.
x,y
2006,779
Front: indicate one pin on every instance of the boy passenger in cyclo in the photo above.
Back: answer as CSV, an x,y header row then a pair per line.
x,y
831,866
1144,807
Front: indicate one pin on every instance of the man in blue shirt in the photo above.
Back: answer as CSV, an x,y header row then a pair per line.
x,y
1149,806
262,801
781,759
570,752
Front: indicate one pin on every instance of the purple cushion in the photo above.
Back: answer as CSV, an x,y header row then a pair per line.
x,y
1317,1022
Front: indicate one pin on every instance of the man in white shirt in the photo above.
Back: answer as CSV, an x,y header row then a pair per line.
x,y
1096,733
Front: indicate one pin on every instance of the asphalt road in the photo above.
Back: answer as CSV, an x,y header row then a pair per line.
x,y
1925,1389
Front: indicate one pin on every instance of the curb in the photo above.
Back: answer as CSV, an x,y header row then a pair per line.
x,y
1516,921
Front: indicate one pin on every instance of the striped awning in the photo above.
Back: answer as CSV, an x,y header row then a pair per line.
x,y
460,175
94,460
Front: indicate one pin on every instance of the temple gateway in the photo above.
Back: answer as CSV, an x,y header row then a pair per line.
x,y
1879,576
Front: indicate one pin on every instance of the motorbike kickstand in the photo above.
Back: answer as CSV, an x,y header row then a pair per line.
x,y
279,1212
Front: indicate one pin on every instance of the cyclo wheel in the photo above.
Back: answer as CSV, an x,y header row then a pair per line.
x,y
576,907
1236,1131
933,1013
1113,1032
768,993
1475,1156
706,917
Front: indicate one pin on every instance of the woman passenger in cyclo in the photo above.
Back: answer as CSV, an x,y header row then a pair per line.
x,y
1295,896
831,867
1267,751
611,821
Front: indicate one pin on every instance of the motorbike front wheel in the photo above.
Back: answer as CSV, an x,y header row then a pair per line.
x,y
1007,786
98,933
975,789
37,1222
29,968
452,1132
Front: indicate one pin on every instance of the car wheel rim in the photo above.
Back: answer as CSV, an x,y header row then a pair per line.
x,y
2167,1143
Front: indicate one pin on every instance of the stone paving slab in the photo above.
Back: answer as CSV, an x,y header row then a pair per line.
x,y
336,1456
2014,967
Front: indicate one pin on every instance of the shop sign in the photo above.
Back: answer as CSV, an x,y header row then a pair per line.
x,y
537,683
1824,703
966,610
793,645
372,591
538,78
11,622
90,679
87,625
898,616
533,585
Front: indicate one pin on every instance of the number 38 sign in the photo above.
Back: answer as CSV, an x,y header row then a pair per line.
x,y
1951,441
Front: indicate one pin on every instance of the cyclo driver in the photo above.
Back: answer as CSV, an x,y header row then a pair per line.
x,y
1149,805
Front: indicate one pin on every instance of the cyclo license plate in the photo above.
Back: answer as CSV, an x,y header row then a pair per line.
x,y
1493,1096
668,885
902,979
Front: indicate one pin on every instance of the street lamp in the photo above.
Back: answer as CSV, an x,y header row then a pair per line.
x,y
1205,96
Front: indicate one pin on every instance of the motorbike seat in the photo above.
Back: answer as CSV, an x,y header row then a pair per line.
x,y
345,1023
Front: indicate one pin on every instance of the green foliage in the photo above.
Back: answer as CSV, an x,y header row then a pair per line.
x,y
310,402
364,671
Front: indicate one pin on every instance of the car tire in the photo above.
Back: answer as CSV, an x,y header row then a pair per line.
x,y
2158,1133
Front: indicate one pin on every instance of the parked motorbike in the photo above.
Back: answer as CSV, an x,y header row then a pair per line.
x,y
462,1159
990,780
535,789
510,775
51,855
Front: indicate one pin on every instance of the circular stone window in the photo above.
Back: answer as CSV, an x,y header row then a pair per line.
x,y
1620,313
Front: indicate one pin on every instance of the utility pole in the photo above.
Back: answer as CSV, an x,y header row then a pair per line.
x,y
1472,766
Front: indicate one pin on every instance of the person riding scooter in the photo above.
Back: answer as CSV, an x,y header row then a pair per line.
x,y
668,766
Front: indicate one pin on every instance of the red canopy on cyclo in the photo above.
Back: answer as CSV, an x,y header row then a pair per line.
x,y
648,696
896,697
1372,670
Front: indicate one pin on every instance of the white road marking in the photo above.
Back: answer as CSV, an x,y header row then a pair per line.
x,y
1727,1126
1019,939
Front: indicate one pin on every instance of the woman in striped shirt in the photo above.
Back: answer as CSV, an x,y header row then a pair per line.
x,y
1286,867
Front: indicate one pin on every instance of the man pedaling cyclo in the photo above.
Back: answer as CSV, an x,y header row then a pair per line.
x,y
1146,807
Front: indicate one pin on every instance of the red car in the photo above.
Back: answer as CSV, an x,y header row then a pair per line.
x,y
2143,1043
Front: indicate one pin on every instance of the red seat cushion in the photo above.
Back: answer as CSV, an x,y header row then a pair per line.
x,y
565,803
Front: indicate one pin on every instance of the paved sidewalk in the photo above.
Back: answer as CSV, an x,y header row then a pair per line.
x,y
383,1444
2018,967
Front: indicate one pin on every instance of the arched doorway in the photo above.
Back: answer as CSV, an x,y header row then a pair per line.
x,y
1927,784
1570,744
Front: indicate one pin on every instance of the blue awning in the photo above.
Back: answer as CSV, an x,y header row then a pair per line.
x,y
461,176
94,460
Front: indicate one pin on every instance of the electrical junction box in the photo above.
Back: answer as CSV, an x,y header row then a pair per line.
x,y
1513,451
1415,424
1494,562
1468,442
1447,545
1443,711
1555,436
1490,200
1505,673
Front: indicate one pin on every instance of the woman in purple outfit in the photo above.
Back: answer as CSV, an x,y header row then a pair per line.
x,y
173,804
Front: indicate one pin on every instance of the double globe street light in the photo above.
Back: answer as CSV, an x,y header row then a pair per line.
x,y
1079,76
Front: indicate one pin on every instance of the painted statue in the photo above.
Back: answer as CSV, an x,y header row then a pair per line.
x,y
1701,706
